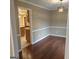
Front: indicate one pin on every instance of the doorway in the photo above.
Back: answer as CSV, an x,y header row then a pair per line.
x,y
24,26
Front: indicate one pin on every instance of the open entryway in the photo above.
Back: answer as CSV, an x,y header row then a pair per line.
x,y
24,26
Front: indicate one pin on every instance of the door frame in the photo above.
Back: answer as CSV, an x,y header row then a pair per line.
x,y
30,15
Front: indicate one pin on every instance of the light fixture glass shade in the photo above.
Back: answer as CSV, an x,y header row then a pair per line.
x,y
61,9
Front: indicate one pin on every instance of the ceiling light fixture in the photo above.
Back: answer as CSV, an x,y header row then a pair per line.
x,y
61,8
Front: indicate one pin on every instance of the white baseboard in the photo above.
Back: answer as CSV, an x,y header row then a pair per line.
x,y
40,39
48,35
58,27
58,35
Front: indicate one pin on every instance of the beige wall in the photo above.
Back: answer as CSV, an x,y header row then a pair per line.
x,y
40,17
58,23
59,19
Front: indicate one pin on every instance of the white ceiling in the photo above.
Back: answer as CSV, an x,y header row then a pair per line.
x,y
47,4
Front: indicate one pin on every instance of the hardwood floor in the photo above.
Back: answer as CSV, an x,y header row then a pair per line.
x,y
49,48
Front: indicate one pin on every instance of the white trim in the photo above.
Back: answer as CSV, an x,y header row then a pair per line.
x,y
48,27
34,4
58,27
58,35
40,29
30,13
12,43
46,36
23,47
40,39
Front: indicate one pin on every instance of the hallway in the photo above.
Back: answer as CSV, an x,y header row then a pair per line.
x,y
50,47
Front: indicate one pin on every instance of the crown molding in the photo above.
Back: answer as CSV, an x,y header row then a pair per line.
x,y
34,4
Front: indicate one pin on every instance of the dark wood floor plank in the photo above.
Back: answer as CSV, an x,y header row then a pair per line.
x,y
50,47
